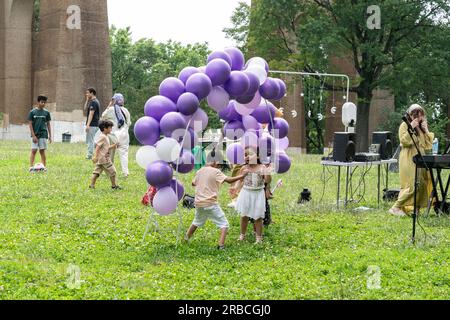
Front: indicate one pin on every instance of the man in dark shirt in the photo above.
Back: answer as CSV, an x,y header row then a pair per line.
x,y
92,107
41,131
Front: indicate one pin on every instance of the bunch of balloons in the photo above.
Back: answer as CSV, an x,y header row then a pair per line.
x,y
239,92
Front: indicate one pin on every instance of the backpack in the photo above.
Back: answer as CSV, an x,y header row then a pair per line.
x,y
147,199
188,202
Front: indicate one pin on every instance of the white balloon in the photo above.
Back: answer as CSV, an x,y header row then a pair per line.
x,y
146,155
258,71
349,113
168,149
257,61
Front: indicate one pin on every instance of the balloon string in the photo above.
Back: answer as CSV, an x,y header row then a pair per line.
x,y
180,225
271,118
148,224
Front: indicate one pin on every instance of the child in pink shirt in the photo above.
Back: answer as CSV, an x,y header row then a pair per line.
x,y
207,183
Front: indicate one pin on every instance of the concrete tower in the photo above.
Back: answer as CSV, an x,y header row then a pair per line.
x,y
69,53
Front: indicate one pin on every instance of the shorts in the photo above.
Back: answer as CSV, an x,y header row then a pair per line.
x,y
214,213
40,145
109,169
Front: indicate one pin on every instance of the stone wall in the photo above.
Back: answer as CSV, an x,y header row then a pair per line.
x,y
60,61
15,59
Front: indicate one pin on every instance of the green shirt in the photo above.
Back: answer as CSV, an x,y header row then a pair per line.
x,y
200,157
40,118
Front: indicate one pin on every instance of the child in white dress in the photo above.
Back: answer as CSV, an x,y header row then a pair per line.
x,y
251,203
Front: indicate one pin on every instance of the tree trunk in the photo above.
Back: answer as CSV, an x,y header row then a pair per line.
x,y
365,96
448,112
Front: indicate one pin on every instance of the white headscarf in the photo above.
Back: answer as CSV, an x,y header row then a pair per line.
x,y
415,107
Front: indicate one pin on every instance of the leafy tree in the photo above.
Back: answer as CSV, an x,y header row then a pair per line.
x,y
140,67
240,30
304,35
36,15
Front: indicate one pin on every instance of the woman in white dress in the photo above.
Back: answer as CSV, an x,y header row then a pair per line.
x,y
120,116
251,202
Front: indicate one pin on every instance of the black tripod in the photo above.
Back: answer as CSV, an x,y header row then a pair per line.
x,y
420,158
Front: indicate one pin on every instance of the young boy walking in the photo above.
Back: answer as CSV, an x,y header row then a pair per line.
x,y
102,158
207,183
39,122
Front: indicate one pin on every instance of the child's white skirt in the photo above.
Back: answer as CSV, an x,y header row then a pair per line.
x,y
251,203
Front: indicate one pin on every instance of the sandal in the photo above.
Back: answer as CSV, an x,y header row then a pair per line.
x,y
397,212
241,237
259,240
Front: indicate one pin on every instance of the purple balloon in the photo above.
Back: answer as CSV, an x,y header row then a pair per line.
x,y
283,89
255,102
220,55
238,84
218,70
199,120
171,122
245,99
258,131
234,130
172,88
266,145
159,174
186,162
178,188
218,99
283,143
250,122
157,106
188,104
237,58
186,73
147,131
243,110
250,139
165,201
200,85
254,84
270,89
280,128
230,113
190,138
265,113
236,153
282,163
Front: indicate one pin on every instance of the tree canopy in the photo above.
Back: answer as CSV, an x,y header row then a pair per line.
x,y
408,54
138,68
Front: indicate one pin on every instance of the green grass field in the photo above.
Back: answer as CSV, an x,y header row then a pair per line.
x,y
54,231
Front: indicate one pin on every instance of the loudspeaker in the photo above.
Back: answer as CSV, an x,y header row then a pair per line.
x,y
384,139
344,146
391,194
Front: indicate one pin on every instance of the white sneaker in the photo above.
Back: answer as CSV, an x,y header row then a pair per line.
x,y
232,205
397,212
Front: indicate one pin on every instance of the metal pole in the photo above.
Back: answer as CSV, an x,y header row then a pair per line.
x,y
346,187
416,182
379,183
339,186
320,75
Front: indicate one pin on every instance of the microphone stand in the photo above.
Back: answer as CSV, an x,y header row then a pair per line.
x,y
416,182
